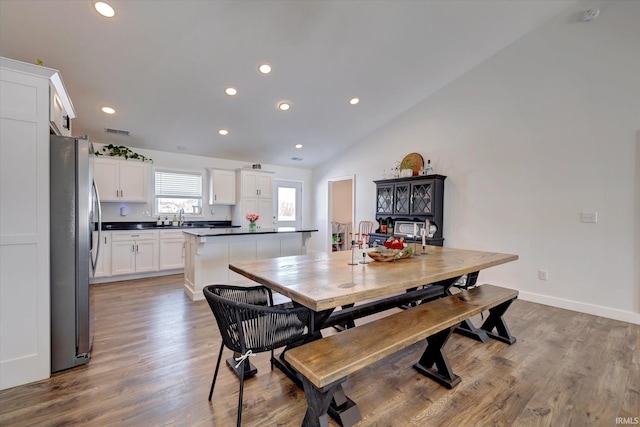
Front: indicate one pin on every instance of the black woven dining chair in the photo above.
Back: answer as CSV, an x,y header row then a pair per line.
x,y
249,324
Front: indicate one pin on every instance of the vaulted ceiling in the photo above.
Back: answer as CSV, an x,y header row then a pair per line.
x,y
164,66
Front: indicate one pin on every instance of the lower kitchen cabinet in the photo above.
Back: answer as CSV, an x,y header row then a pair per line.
x,y
171,249
135,252
103,265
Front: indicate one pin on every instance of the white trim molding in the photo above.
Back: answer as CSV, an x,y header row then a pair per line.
x,y
596,310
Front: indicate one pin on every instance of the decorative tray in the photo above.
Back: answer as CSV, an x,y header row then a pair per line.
x,y
415,160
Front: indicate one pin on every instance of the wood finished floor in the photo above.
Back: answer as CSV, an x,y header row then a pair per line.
x,y
154,353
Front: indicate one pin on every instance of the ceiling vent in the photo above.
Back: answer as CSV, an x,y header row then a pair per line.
x,y
117,131
297,159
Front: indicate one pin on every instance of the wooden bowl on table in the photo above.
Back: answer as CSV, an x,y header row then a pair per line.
x,y
388,256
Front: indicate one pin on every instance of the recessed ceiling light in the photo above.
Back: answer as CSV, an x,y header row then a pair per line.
x,y
298,145
265,68
104,9
284,105
223,132
231,91
354,101
108,110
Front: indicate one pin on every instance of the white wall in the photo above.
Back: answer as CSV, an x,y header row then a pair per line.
x,y
529,139
186,162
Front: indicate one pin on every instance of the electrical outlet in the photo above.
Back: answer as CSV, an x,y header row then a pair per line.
x,y
543,275
589,217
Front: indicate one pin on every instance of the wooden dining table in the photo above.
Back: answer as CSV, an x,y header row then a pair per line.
x,y
327,281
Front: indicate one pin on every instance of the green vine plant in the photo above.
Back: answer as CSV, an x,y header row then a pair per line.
x,y
121,151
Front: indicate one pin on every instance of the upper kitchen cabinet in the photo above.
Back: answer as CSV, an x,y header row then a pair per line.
x,y
255,183
222,187
59,116
254,195
25,285
121,180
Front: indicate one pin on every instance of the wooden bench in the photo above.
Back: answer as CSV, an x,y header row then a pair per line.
x,y
323,365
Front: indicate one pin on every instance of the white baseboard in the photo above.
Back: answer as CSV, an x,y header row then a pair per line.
x,y
193,295
596,310
123,277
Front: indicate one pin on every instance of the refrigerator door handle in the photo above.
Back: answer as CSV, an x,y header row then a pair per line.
x,y
94,260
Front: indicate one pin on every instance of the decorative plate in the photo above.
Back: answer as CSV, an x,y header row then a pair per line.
x,y
416,161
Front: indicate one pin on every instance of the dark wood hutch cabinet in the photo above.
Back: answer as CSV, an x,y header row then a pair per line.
x,y
417,199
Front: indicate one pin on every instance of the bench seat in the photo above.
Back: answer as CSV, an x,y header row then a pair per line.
x,y
325,363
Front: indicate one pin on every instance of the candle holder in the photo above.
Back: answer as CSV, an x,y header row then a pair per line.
x,y
353,249
423,234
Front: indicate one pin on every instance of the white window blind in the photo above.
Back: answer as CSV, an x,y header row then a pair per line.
x,y
175,184
178,192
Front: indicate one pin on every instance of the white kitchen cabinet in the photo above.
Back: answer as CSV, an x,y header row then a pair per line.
x,y
222,187
255,183
25,322
121,180
171,249
103,265
134,252
60,120
254,195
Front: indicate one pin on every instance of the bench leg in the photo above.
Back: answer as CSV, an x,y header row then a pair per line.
x,y
343,410
434,355
467,329
318,401
496,321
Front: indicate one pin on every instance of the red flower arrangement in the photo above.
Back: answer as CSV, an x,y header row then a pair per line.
x,y
251,217
395,243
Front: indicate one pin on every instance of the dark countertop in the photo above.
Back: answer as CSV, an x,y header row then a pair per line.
x,y
115,226
244,231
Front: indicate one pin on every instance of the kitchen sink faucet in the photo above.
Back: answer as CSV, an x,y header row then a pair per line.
x,y
181,219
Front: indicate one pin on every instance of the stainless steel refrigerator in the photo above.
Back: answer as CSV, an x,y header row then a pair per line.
x,y
75,212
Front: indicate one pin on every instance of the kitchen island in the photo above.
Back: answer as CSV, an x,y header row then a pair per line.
x,y
208,253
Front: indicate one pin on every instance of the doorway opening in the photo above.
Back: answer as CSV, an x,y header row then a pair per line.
x,y
341,212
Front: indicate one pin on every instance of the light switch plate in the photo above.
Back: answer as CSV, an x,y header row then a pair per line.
x,y
589,217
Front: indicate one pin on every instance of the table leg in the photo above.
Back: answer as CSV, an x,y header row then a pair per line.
x,y
349,323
